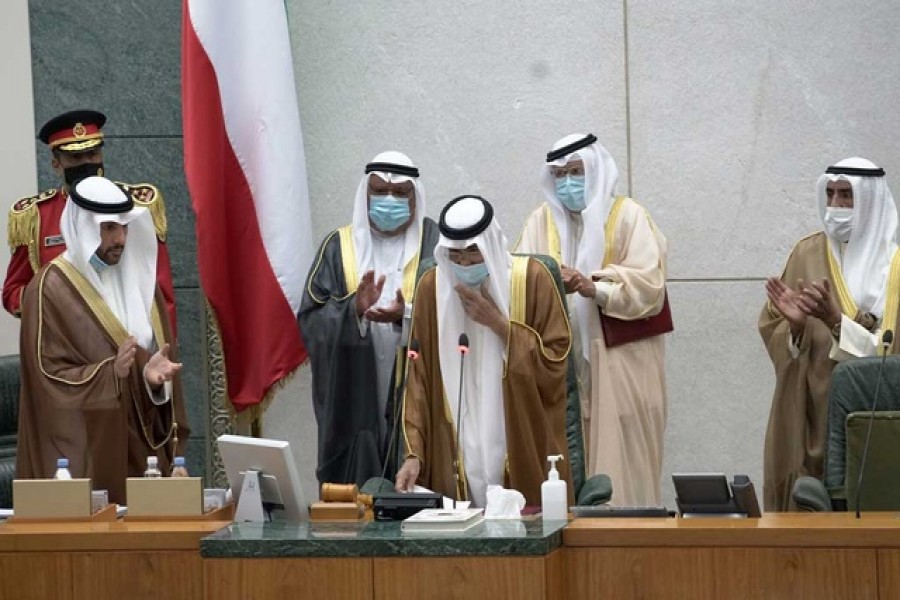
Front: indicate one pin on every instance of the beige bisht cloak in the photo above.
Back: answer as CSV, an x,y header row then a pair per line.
x,y
534,388
623,389
795,436
72,405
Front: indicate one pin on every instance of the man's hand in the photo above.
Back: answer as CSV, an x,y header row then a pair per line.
x,y
388,314
482,309
407,475
160,369
816,301
575,281
368,292
569,279
787,302
125,357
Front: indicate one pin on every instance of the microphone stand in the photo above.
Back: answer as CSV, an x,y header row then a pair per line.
x,y
886,339
463,350
412,355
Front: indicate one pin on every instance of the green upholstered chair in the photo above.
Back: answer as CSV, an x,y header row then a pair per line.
x,y
9,424
587,490
849,404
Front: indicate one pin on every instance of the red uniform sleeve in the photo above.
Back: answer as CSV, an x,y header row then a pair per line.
x,y
164,279
18,275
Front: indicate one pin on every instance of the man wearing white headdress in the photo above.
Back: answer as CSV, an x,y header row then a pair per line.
x,y
838,293
99,382
358,296
613,260
511,413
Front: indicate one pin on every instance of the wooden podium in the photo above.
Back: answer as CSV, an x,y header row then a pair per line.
x,y
781,555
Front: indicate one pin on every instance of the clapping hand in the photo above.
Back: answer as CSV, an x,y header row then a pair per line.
x,y
388,314
368,292
125,357
817,301
160,369
787,302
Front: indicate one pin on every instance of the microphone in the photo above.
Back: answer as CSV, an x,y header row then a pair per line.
x,y
887,339
463,350
412,355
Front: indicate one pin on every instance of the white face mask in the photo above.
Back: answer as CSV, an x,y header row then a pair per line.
x,y
839,223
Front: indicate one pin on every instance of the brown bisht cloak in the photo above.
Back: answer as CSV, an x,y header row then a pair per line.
x,y
534,389
72,405
798,419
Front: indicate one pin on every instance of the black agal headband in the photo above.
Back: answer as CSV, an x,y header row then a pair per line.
x,y
386,167
570,148
856,171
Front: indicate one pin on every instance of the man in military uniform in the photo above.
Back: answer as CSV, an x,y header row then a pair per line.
x,y
76,145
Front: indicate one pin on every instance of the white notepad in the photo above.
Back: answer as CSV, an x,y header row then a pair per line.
x,y
442,520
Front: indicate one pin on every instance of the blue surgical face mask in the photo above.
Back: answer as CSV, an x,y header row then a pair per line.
x,y
388,213
570,192
471,275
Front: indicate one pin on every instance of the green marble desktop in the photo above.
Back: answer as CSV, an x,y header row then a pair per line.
x,y
532,537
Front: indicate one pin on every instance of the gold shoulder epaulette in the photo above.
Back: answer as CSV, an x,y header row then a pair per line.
x,y
23,219
149,196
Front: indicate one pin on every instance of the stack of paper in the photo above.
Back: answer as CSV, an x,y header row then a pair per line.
x,y
442,520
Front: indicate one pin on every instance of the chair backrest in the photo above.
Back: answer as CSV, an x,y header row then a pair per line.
x,y
9,424
849,404
881,481
574,425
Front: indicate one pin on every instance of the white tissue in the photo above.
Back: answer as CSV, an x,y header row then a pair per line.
x,y
503,503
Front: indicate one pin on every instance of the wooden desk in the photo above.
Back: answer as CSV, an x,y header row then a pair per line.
x,y
133,560
792,556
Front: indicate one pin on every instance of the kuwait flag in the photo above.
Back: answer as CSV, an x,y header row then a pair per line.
x,y
245,170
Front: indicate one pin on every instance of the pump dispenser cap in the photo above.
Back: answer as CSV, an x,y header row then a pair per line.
x,y
554,474
152,461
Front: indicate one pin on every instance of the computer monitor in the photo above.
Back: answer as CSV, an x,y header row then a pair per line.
x,y
279,482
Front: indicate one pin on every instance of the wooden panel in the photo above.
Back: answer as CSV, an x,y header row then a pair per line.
x,y
307,578
118,535
464,578
889,574
35,576
790,530
720,573
555,575
137,575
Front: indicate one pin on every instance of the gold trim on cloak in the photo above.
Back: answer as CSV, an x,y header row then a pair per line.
x,y
117,333
351,274
849,307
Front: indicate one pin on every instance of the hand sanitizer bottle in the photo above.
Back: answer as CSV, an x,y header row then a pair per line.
x,y
554,495
152,471
62,469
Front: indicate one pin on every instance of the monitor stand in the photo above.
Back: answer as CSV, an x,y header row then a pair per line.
x,y
250,505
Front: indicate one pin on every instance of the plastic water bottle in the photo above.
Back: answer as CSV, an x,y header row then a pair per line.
x,y
62,469
178,468
152,468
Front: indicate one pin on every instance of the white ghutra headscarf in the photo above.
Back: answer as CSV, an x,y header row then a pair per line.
x,y
600,178
867,258
393,167
128,287
467,221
